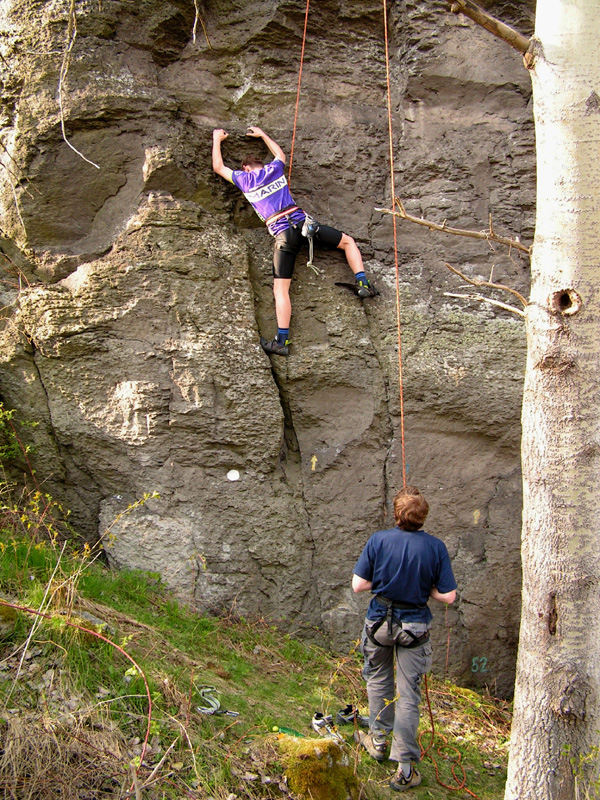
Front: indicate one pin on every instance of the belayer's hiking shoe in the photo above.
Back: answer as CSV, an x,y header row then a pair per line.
x,y
274,348
374,744
400,783
365,289
349,715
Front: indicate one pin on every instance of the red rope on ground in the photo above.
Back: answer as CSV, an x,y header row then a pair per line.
x,y
393,190
461,783
298,92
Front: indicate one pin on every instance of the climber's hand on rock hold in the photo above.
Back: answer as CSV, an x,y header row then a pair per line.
x,y
254,131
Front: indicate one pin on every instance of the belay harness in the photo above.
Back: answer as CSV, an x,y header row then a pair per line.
x,y
407,634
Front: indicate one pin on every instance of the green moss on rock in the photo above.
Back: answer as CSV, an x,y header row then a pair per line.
x,y
318,769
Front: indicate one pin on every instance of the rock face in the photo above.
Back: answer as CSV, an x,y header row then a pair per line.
x,y
135,289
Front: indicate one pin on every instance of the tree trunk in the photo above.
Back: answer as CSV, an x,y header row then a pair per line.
x,y
557,700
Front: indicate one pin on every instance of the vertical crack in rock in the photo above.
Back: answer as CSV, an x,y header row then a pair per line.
x,y
291,462
67,478
40,380
290,454
386,499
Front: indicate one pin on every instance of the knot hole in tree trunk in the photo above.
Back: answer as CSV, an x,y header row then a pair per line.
x,y
565,302
552,615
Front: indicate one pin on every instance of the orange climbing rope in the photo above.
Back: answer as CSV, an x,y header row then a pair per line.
x,y
298,92
393,190
461,782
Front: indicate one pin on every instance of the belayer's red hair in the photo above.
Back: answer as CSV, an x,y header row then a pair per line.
x,y
410,509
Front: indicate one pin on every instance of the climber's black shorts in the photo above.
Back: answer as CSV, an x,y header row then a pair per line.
x,y
289,242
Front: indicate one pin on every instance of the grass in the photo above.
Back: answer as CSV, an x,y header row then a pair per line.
x,y
75,709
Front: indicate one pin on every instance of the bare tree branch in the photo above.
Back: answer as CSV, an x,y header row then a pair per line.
x,y
483,299
488,284
197,19
491,24
64,68
16,199
488,235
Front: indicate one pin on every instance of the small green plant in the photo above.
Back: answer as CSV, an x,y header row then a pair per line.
x,y
11,448
586,772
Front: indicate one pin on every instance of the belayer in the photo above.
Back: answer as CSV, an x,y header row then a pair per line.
x,y
266,188
402,568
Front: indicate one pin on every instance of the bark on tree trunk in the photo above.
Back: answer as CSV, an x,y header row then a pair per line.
x,y
557,700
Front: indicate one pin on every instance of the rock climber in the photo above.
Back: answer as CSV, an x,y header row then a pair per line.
x,y
402,568
266,188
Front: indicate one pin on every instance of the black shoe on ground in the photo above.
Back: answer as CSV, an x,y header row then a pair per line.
x,y
365,289
274,348
349,715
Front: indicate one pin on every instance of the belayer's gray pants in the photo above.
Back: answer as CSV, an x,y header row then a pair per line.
x,y
402,716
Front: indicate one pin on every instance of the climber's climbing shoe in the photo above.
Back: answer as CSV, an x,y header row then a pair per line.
x,y
273,348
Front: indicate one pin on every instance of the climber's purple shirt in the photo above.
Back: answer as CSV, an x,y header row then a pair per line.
x,y
267,191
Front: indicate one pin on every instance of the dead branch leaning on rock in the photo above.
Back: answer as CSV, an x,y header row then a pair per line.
x,y
488,284
491,24
490,235
483,299
502,31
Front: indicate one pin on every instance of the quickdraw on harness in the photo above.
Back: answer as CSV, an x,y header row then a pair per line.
x,y
309,228
391,605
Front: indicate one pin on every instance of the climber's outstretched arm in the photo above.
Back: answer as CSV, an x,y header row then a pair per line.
x,y
258,133
217,159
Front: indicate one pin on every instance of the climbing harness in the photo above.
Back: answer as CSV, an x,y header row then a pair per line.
x,y
213,704
279,214
404,634
309,228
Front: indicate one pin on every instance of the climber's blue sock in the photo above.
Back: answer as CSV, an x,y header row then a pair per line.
x,y
283,335
361,276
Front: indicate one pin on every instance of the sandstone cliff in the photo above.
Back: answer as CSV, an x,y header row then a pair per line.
x,y
134,293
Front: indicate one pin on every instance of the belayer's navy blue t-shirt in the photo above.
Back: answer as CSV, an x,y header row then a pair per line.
x,y
404,566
